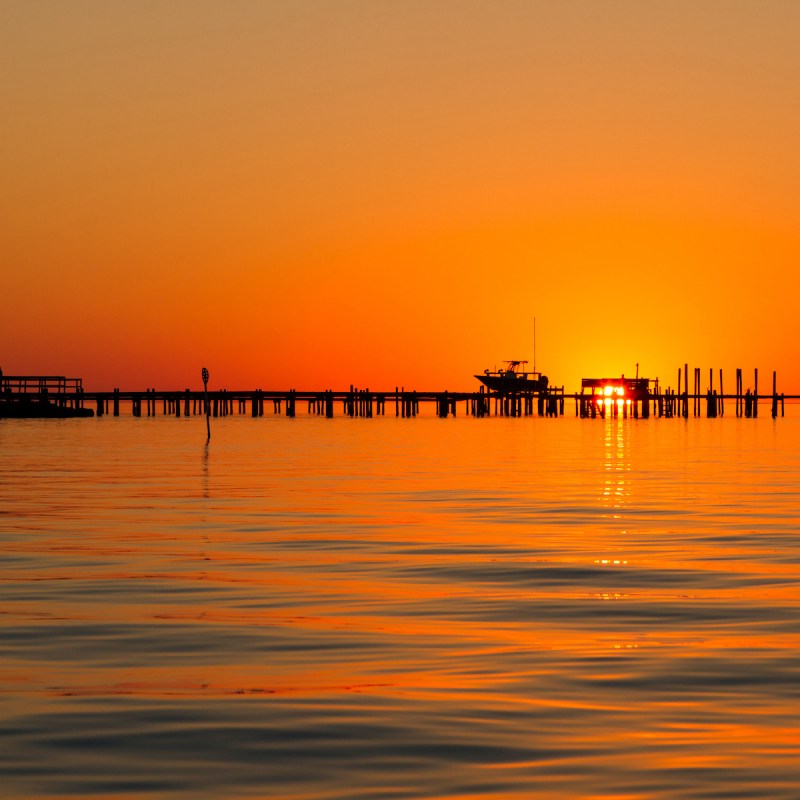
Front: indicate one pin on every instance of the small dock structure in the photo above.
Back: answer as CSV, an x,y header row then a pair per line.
x,y
31,396
600,396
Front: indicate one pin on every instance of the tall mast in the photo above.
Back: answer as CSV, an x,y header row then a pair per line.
x,y
534,344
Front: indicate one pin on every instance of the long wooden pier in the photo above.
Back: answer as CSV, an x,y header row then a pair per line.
x,y
69,393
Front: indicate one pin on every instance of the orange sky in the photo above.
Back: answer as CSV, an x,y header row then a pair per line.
x,y
312,194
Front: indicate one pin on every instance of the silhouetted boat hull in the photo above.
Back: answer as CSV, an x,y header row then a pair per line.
x,y
498,383
513,379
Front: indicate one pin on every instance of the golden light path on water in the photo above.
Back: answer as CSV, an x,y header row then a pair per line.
x,y
392,608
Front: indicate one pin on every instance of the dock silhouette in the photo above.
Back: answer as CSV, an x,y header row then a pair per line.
x,y
46,396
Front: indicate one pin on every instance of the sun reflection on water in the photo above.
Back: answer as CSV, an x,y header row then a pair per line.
x,y
616,488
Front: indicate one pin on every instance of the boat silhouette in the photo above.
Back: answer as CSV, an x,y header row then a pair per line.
x,y
514,378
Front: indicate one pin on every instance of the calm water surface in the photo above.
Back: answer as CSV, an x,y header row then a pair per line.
x,y
384,608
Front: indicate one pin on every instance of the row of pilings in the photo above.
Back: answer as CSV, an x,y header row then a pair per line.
x,y
362,403
713,396
354,403
692,398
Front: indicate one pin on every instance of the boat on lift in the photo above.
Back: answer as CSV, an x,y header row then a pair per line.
x,y
514,378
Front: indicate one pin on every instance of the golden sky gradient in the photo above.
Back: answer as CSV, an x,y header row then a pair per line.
x,y
312,194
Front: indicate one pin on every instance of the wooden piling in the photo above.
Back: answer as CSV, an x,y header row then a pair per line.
x,y
711,404
755,393
739,396
774,394
685,390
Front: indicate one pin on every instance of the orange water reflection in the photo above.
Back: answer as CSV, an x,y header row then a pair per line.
x,y
442,608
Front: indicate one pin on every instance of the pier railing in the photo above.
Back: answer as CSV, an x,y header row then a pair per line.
x,y
39,384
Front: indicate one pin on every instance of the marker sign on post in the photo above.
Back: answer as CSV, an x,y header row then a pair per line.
x,y
208,408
